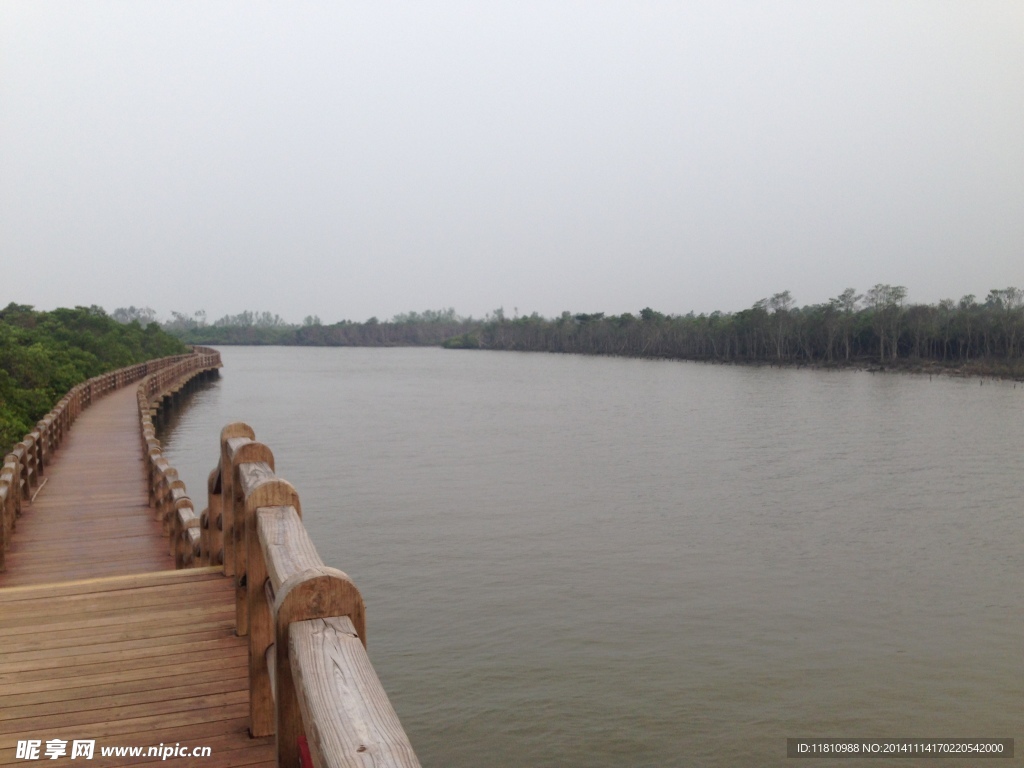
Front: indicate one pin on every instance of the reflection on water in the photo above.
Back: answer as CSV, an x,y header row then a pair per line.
x,y
574,561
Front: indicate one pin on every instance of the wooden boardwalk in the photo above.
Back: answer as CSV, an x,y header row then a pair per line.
x,y
101,639
92,517
115,652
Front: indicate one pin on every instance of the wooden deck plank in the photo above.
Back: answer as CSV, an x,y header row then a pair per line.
x,y
86,537
91,606
207,612
17,676
67,720
117,687
63,593
128,675
75,637
128,698
185,717
36,576
159,643
85,602
71,664
101,584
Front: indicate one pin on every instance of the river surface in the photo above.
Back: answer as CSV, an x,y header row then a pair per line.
x,y
585,562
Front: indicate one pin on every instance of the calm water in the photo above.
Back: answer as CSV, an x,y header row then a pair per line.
x,y
573,561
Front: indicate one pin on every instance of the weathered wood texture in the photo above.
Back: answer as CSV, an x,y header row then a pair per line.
x,y
336,682
128,661
254,482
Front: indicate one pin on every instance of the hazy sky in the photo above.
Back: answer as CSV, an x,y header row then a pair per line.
x,y
358,159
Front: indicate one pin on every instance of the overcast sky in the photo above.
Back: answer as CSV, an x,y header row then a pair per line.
x,y
358,159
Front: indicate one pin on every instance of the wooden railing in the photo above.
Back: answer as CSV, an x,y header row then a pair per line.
x,y
24,468
167,493
309,676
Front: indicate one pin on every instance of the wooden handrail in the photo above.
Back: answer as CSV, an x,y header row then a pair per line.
x,y
371,733
10,504
211,523
185,538
167,493
308,669
10,488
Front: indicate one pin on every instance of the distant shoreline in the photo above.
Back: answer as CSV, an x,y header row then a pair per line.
x,y
875,331
960,369
986,369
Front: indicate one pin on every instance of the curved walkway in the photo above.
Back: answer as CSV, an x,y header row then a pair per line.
x,y
102,640
92,517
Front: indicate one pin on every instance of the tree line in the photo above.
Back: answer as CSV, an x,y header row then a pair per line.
x,y
44,354
427,328
877,327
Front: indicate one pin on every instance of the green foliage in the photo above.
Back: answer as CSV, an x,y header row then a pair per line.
x,y
465,341
44,354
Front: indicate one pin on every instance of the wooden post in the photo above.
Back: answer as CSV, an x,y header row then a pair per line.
x,y
237,429
12,472
308,595
213,522
269,492
184,536
258,464
303,588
